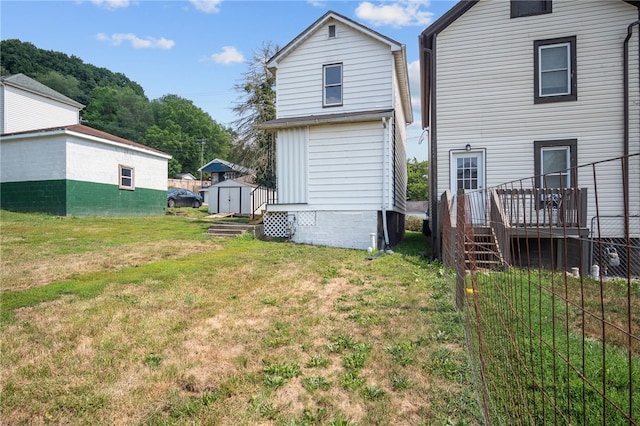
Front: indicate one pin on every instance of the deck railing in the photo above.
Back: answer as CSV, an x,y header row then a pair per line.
x,y
548,207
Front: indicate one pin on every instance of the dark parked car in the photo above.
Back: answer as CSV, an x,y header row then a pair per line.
x,y
178,197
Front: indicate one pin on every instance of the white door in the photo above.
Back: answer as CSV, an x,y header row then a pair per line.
x,y
229,200
467,172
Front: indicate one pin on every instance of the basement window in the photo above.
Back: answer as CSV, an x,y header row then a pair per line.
x,y
125,177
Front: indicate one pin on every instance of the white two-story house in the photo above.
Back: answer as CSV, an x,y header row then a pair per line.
x,y
342,107
518,89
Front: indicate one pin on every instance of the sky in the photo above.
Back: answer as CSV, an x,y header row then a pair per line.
x,y
200,49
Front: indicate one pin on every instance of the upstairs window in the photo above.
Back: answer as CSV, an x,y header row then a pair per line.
x,y
555,77
529,7
125,177
332,85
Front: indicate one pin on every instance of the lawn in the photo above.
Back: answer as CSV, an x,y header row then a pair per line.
x,y
149,321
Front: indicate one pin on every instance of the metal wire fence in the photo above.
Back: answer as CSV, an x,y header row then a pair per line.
x,y
549,279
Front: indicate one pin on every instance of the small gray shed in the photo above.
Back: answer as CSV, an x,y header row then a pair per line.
x,y
231,196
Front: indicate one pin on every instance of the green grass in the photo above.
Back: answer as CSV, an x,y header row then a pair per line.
x,y
533,346
149,321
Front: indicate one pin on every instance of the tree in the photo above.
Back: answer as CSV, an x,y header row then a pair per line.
x,y
253,147
68,85
119,111
417,172
187,133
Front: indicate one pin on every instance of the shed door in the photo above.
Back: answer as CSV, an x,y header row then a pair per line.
x,y
467,172
229,200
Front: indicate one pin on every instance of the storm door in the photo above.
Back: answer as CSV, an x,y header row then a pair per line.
x,y
467,172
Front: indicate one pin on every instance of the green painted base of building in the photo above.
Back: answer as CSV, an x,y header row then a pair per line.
x,y
75,198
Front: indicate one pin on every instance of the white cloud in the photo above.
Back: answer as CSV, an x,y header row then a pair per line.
x,y
207,6
401,13
229,55
317,3
111,4
136,42
413,69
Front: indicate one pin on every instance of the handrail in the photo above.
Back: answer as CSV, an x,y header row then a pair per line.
x,y
260,197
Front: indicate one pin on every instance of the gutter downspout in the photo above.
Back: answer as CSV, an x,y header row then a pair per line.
x,y
433,144
385,230
626,118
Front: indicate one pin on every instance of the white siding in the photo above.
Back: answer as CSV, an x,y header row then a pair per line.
x,y
33,159
291,164
367,73
66,157
346,166
2,116
485,88
92,161
24,111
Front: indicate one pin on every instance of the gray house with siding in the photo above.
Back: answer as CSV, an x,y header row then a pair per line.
x,y
516,89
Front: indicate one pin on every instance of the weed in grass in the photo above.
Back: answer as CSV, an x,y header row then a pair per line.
x,y
400,382
274,382
152,360
351,380
402,353
318,361
267,410
442,363
315,383
356,281
279,335
354,361
330,273
364,319
277,374
189,299
340,343
269,301
373,393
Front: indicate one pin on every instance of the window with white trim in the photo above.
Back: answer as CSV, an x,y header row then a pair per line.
x,y
332,81
126,177
555,77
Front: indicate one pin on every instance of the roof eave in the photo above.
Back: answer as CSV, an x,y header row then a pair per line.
x,y
317,120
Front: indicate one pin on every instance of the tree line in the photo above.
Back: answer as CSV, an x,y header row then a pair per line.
x,y
172,124
118,105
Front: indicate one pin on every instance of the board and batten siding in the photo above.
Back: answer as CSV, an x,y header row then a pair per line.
x,y
367,73
485,77
291,163
24,111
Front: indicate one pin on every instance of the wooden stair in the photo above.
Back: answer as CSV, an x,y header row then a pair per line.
x,y
234,229
484,251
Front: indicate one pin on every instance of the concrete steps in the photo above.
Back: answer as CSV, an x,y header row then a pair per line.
x,y
234,229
